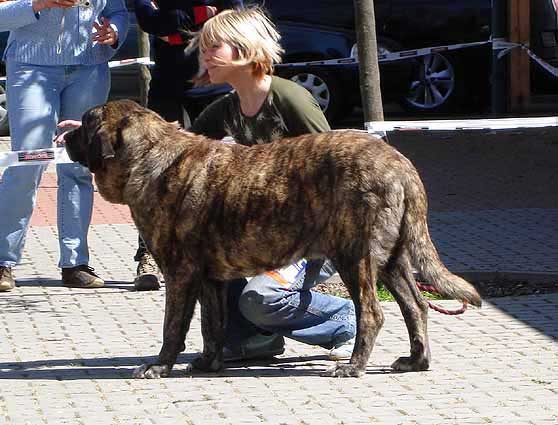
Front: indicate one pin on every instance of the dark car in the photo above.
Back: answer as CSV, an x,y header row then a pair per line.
x,y
440,81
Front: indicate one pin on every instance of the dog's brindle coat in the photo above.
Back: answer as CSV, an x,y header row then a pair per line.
x,y
211,212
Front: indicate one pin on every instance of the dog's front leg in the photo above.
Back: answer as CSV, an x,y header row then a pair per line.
x,y
180,301
213,300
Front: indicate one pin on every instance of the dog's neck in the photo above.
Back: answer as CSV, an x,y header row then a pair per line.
x,y
153,159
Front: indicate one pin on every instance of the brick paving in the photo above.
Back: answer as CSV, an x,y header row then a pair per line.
x,y
66,355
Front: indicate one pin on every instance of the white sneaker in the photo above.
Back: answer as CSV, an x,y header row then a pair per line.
x,y
342,351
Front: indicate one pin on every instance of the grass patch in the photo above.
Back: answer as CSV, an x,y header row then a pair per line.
x,y
340,290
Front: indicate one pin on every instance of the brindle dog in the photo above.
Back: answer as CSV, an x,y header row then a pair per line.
x,y
211,212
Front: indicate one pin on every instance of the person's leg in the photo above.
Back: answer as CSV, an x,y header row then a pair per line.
x,y
84,87
29,96
282,302
244,340
164,100
148,275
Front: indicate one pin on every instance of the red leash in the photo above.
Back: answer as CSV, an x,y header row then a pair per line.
x,y
432,290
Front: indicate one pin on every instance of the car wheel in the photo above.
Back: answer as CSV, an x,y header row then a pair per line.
x,y
433,84
322,87
4,127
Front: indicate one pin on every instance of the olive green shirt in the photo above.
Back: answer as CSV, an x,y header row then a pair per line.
x,y
289,110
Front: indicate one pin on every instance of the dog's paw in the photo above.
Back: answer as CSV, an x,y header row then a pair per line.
x,y
345,371
207,364
153,371
410,364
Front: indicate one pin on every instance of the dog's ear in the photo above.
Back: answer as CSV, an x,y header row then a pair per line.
x,y
101,147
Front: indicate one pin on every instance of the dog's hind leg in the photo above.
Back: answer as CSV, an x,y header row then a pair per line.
x,y
360,278
213,302
398,279
180,300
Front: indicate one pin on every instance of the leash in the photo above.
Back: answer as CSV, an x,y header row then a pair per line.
x,y
432,290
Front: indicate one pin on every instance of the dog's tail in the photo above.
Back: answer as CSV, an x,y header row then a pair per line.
x,y
424,255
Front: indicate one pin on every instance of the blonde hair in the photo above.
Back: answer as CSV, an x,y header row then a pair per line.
x,y
250,32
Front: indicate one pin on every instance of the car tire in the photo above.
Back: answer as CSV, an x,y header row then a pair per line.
x,y
4,126
434,86
323,87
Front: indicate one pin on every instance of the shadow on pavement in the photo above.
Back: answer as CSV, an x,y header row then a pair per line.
x,y
50,283
123,367
537,312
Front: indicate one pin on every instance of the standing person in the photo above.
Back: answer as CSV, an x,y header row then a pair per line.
x,y
240,48
170,24
57,68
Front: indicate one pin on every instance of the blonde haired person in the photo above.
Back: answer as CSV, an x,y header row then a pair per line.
x,y
240,47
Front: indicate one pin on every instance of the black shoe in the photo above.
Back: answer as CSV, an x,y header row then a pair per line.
x,y
7,282
81,277
148,274
255,347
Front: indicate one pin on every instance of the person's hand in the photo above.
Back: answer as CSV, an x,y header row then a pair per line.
x,y
59,140
105,33
39,5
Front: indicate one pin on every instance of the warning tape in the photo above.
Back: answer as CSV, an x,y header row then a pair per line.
x,y
507,46
146,60
389,57
477,124
59,155
34,157
497,44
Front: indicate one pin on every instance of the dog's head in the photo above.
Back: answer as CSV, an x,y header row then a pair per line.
x,y
96,141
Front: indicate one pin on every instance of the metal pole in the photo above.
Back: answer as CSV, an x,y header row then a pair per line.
x,y
499,77
365,23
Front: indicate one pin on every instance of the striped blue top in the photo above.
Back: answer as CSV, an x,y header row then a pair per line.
x,y
60,36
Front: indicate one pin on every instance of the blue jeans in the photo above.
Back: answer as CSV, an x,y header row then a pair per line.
x,y
283,303
38,98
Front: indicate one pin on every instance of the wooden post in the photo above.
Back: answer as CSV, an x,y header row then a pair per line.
x,y
519,32
365,25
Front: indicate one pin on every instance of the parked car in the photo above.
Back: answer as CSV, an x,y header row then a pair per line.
x,y
433,83
438,81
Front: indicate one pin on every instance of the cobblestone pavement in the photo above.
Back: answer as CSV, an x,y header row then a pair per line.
x,y
67,355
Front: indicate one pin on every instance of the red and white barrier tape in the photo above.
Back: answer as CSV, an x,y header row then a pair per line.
x,y
123,62
146,60
497,44
477,124
58,155
388,57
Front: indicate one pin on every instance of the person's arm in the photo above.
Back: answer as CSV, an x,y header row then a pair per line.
x,y
301,112
116,14
159,22
19,13
210,122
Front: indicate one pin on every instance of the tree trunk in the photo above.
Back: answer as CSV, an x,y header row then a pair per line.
x,y
365,23
145,75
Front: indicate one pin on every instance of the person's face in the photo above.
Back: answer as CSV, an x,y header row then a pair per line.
x,y
216,60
